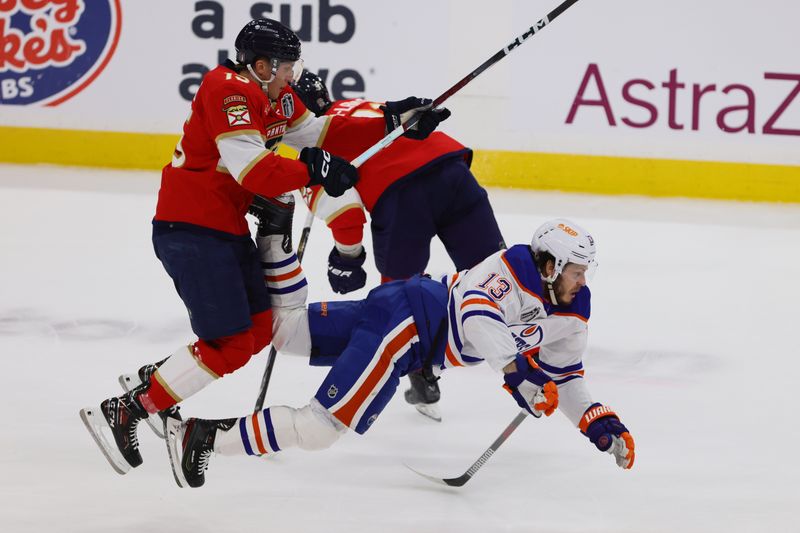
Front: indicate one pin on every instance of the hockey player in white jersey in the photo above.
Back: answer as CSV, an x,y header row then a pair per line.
x,y
524,310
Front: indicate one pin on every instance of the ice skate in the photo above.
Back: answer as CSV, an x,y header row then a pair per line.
x,y
424,396
190,445
274,216
131,381
113,427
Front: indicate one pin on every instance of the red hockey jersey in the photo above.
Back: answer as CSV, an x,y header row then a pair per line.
x,y
227,151
404,156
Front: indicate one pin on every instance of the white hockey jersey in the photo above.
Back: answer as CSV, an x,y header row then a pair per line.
x,y
496,310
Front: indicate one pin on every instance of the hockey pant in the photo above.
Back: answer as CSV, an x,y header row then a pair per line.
x,y
221,282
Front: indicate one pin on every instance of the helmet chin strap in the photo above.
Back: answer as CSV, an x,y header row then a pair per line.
x,y
264,84
553,299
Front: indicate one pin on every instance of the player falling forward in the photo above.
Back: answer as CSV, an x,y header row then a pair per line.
x,y
240,114
524,311
414,191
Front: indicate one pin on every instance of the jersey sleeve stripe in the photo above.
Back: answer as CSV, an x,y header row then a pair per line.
x,y
567,379
480,294
559,370
297,123
487,314
256,160
479,301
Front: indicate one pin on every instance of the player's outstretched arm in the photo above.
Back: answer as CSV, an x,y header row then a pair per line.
x,y
604,429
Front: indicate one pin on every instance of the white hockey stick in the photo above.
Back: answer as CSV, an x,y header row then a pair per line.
x,y
472,470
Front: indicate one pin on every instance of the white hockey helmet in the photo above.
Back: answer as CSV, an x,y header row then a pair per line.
x,y
567,243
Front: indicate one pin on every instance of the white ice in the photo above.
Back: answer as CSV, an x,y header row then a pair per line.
x,y
693,342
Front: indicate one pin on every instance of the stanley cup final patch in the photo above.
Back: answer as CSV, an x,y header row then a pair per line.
x,y
287,105
235,108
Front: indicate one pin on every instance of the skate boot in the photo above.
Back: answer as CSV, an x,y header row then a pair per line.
x,y
274,217
190,445
131,381
113,428
424,395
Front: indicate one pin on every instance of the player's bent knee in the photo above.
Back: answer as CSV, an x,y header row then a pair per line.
x,y
261,329
224,355
290,333
316,427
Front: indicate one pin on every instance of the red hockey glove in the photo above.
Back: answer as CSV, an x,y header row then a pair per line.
x,y
603,427
533,390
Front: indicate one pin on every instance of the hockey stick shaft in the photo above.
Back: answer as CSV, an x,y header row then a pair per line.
x,y
472,470
301,249
513,45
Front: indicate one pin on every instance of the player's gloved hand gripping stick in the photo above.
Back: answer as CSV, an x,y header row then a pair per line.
x,y
423,116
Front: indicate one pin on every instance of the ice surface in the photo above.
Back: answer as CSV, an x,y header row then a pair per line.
x,y
693,341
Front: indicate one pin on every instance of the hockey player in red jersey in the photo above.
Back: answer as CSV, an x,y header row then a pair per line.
x,y
413,191
524,311
227,154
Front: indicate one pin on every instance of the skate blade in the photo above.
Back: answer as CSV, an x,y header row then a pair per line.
x,y
130,381
96,423
431,410
173,429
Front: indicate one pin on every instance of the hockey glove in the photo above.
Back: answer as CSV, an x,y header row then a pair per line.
x,y
334,173
603,427
533,390
346,274
400,112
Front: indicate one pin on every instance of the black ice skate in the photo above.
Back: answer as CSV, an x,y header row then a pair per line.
x,y
113,428
190,446
424,395
274,217
131,381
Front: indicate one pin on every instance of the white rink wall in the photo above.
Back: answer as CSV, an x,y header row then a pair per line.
x,y
716,80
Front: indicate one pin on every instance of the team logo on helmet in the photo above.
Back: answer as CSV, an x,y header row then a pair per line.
x,y
50,50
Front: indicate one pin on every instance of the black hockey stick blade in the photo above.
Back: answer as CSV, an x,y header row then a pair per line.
x,y
461,480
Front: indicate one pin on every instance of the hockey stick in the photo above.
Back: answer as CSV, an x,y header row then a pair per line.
x,y
301,250
397,132
472,470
